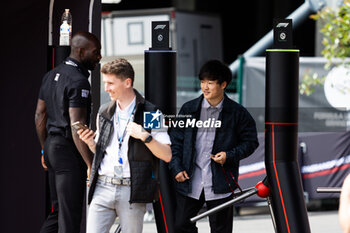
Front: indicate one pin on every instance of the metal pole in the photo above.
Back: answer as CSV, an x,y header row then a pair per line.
x,y
328,190
240,78
268,199
50,22
224,205
298,16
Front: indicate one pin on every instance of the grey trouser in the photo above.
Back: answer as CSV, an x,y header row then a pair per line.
x,y
110,201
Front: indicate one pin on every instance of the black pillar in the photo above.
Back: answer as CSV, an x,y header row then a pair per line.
x,y
56,55
281,136
160,89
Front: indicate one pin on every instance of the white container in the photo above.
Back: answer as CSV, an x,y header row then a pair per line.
x,y
66,28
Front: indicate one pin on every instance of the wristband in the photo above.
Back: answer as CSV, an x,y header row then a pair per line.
x,y
42,151
148,139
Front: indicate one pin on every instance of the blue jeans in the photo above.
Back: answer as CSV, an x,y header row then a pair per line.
x,y
110,201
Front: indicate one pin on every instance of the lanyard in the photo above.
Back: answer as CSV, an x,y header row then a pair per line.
x,y
121,139
234,180
72,63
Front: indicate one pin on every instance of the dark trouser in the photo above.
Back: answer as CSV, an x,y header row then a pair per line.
x,y
67,176
187,207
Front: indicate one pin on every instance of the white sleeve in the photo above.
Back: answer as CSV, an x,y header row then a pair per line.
x,y
161,135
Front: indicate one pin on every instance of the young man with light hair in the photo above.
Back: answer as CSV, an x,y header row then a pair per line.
x,y
124,175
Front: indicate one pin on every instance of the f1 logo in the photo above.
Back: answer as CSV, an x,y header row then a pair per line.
x,y
152,120
282,25
160,26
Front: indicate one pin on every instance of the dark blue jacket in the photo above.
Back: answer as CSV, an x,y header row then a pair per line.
x,y
237,137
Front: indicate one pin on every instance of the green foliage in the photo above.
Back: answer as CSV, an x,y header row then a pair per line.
x,y
336,32
336,41
309,82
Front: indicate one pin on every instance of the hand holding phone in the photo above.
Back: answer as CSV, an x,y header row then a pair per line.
x,y
78,125
86,135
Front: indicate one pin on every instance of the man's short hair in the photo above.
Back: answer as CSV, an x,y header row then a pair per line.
x,y
215,70
121,68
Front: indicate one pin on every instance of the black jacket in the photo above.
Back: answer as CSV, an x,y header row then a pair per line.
x,y
143,164
237,136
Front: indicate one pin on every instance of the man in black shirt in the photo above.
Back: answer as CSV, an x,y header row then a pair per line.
x,y
65,98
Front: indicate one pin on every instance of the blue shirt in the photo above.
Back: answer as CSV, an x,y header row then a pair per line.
x,y
202,174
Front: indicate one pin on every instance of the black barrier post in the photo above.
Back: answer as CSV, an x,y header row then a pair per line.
x,y
160,89
281,132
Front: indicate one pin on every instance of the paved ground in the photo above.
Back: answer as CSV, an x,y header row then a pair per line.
x,y
258,220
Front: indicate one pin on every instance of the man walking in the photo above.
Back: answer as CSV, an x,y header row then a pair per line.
x,y
124,175
63,99
206,155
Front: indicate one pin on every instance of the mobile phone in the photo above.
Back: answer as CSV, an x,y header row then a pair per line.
x,y
78,125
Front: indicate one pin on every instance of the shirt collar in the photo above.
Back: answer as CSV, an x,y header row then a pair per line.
x,y
80,66
206,104
129,108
